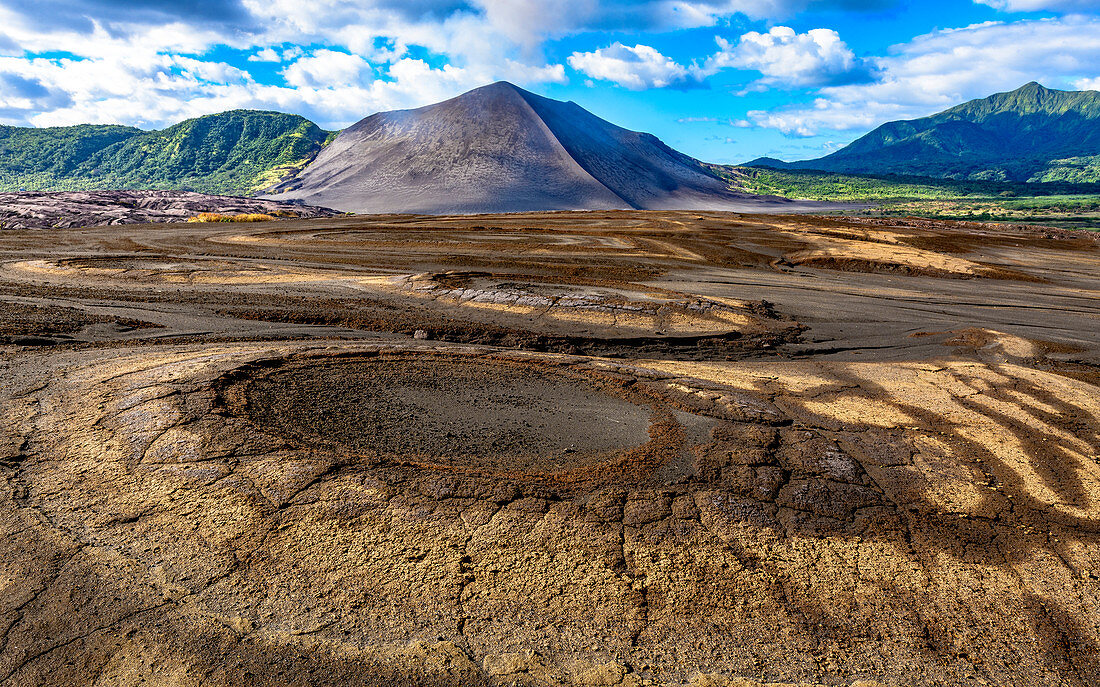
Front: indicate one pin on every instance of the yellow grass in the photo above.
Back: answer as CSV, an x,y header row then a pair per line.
x,y
216,217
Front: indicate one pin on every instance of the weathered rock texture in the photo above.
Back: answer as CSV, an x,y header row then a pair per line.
x,y
870,477
69,209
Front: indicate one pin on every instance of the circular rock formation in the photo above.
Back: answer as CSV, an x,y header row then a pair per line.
x,y
813,493
459,413
169,522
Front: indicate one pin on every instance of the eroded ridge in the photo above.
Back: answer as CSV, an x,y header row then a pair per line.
x,y
830,522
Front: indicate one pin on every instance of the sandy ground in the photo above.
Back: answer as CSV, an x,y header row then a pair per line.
x,y
608,448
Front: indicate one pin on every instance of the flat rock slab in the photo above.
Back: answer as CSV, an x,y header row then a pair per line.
x,y
68,209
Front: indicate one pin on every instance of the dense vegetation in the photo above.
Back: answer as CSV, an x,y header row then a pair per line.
x,y
1033,134
1056,203
237,152
815,185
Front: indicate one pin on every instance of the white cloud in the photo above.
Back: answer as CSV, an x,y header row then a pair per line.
x,y
527,20
151,66
1039,5
1087,84
265,55
148,89
783,56
465,28
327,69
155,74
136,89
789,58
210,72
637,68
937,70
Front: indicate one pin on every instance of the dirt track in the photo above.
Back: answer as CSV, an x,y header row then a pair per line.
x,y
571,448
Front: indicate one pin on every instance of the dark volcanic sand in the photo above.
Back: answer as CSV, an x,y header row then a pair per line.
x,y
501,149
440,410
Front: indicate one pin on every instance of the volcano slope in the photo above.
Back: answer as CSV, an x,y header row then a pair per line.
x,y
500,148
603,448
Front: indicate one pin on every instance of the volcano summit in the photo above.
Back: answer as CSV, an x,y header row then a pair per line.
x,y
500,148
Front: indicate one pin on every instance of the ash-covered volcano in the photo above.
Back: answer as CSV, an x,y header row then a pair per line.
x,y
500,148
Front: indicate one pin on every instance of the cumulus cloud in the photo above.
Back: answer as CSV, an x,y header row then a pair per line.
x,y
25,93
328,68
527,20
147,62
788,58
141,87
149,65
150,62
783,57
637,68
95,90
522,21
85,15
265,55
209,72
937,70
1040,5
1087,84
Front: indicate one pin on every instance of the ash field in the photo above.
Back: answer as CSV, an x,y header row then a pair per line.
x,y
598,448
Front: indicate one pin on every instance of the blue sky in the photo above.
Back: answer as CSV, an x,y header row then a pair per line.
x,y
723,80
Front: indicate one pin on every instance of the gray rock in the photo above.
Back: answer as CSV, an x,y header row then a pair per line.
x,y
72,209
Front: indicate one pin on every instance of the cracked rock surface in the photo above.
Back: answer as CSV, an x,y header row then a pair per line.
x,y
258,475
74,209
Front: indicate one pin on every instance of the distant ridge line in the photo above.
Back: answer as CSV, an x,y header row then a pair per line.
x,y
1033,134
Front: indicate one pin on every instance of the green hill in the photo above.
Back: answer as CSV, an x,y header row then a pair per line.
x,y
1033,134
237,152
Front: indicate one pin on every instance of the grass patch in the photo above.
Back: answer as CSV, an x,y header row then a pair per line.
x,y
246,217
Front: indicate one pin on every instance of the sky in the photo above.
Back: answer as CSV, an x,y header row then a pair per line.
x,y
723,80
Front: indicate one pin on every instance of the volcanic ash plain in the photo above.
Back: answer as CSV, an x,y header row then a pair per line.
x,y
602,448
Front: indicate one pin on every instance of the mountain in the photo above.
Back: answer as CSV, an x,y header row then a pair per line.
x,y
237,152
1032,134
500,148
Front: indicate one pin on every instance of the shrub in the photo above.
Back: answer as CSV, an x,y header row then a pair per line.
x,y
216,217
